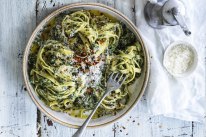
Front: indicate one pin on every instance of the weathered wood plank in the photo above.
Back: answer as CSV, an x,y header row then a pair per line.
x,y
162,126
199,130
127,7
130,124
45,7
106,131
17,111
48,127
138,123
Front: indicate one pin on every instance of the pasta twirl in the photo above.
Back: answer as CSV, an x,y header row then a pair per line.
x,y
72,57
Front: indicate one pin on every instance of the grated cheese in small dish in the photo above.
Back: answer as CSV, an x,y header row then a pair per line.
x,y
180,59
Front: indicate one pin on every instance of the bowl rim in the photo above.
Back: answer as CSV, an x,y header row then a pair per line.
x,y
79,5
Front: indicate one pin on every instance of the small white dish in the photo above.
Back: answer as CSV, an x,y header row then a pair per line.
x,y
193,64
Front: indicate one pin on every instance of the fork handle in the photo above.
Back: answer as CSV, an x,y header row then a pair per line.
x,y
80,131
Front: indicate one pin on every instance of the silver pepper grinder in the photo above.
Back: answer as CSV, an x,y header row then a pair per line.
x,y
166,13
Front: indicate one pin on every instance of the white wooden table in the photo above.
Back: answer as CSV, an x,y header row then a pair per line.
x,y
19,117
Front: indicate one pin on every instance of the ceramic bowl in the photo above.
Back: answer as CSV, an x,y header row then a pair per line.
x,y
192,66
136,89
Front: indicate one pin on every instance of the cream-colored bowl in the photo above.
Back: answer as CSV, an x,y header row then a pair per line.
x,y
136,90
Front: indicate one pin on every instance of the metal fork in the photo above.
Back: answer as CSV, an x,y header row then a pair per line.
x,y
114,82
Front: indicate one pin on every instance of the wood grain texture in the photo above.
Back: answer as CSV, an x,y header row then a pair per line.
x,y
18,115
17,111
198,130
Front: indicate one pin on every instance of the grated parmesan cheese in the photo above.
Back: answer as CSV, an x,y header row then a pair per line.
x,y
92,77
179,59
